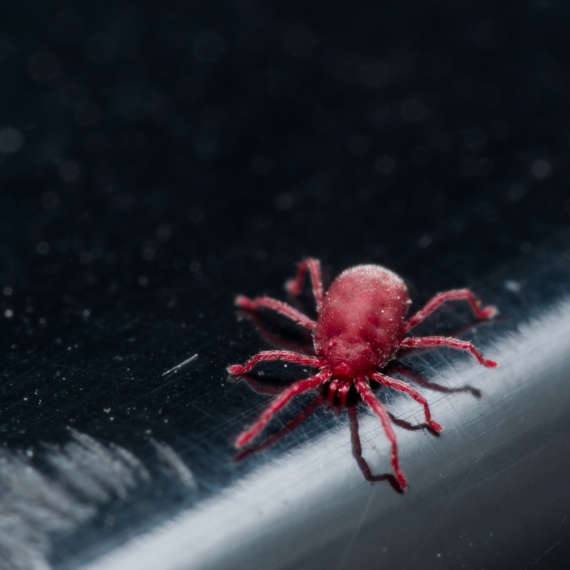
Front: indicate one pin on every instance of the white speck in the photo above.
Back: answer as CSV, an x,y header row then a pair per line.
x,y
208,46
299,42
357,145
43,248
512,285
11,140
385,164
541,169
164,232
438,555
285,201
516,192
413,110
425,241
8,313
68,170
261,165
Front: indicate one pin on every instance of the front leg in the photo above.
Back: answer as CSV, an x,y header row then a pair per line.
x,y
433,341
453,295
294,286
272,355
277,306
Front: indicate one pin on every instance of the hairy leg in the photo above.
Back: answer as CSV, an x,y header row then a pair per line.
x,y
407,389
433,341
295,286
453,295
333,387
369,398
291,426
277,306
272,355
343,393
280,402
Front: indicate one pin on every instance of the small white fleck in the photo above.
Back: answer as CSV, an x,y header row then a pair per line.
x,y
11,140
43,248
385,164
512,285
208,46
8,313
541,169
425,241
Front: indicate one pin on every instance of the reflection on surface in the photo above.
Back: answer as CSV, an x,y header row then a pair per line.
x,y
61,487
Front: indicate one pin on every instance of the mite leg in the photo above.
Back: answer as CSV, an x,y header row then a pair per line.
x,y
272,355
368,397
343,393
333,387
432,341
280,402
407,389
453,295
295,286
277,306
291,426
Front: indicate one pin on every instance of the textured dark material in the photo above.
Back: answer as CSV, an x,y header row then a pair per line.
x,y
156,162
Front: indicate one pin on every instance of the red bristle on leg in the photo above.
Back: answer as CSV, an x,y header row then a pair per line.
x,y
295,286
343,393
272,355
432,341
277,306
333,387
453,295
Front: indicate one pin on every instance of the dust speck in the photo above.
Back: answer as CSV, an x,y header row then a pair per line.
x,y
11,140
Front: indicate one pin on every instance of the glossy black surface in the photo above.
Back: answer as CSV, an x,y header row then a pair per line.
x,y
154,163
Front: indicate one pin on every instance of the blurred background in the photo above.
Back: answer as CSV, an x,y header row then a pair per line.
x,y
156,160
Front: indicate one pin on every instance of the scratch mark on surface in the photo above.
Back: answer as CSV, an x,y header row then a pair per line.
x,y
180,365
544,554
361,520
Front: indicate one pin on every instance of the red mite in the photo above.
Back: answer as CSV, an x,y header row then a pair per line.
x,y
360,328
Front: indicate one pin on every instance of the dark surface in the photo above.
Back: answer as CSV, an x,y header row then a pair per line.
x,y
155,163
